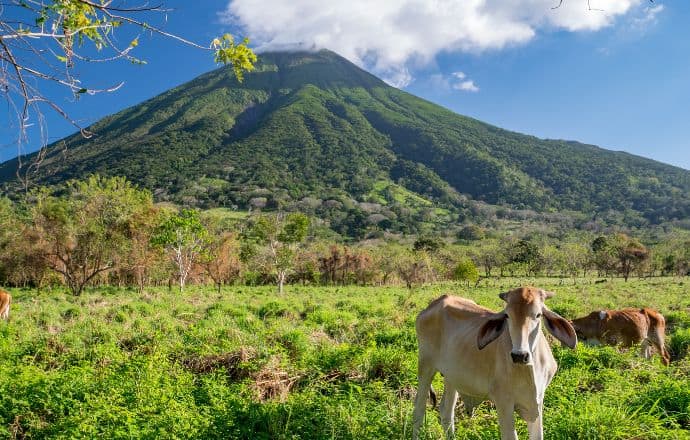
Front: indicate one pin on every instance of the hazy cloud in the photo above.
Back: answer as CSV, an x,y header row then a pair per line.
x,y
454,81
393,36
466,86
647,18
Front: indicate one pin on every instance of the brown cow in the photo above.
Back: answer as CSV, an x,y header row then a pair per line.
x,y
5,300
501,356
626,327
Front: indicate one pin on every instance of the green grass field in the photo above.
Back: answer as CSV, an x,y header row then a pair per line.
x,y
315,363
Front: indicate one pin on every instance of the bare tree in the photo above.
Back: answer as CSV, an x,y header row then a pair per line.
x,y
42,42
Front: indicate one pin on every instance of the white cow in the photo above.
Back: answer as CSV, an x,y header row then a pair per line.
x,y
455,338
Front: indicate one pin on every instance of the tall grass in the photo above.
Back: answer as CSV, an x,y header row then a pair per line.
x,y
314,363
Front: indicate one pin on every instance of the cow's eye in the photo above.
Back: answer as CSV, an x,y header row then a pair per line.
x,y
538,315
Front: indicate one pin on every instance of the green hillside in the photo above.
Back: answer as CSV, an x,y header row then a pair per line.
x,y
312,131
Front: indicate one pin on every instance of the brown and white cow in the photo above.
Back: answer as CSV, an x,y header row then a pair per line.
x,y
5,300
626,327
479,360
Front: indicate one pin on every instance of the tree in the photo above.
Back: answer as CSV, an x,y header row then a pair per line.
x,y
428,244
414,267
21,249
491,255
279,235
631,254
143,258
85,230
526,253
387,259
603,255
575,259
306,266
183,238
220,258
43,42
471,233
466,271
675,256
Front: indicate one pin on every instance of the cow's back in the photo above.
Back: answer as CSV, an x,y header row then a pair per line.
x,y
447,336
444,314
627,326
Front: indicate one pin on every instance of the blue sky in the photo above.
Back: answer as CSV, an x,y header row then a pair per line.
x,y
616,78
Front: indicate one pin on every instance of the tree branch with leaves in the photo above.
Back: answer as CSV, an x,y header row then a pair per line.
x,y
43,43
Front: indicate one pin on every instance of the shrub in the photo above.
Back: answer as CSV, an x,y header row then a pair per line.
x,y
466,271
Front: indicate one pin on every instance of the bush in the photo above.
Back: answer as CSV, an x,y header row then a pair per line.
x,y
466,271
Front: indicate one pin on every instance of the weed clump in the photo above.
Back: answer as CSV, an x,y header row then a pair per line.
x,y
235,363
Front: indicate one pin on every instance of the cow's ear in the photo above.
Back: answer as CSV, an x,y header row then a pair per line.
x,y
545,294
503,296
560,328
491,330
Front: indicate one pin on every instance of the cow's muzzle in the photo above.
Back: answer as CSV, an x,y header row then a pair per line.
x,y
520,357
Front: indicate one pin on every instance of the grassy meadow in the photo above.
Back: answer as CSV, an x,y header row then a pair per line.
x,y
313,363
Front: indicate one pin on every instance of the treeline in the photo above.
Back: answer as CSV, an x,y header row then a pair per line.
x,y
105,231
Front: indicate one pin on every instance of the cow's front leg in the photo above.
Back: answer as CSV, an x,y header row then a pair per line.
x,y
425,375
535,427
506,420
646,349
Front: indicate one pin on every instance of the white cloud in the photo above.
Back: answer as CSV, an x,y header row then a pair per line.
x,y
467,86
397,76
454,81
396,35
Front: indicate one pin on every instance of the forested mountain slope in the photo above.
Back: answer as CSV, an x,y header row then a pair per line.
x,y
314,127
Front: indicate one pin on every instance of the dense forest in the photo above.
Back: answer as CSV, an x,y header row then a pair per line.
x,y
106,231
311,132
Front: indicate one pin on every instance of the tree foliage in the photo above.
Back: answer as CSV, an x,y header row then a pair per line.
x,y
84,232
527,253
106,231
465,270
276,237
183,237
220,258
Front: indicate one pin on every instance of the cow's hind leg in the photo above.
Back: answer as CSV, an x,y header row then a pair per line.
x,y
425,374
447,409
656,338
659,345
